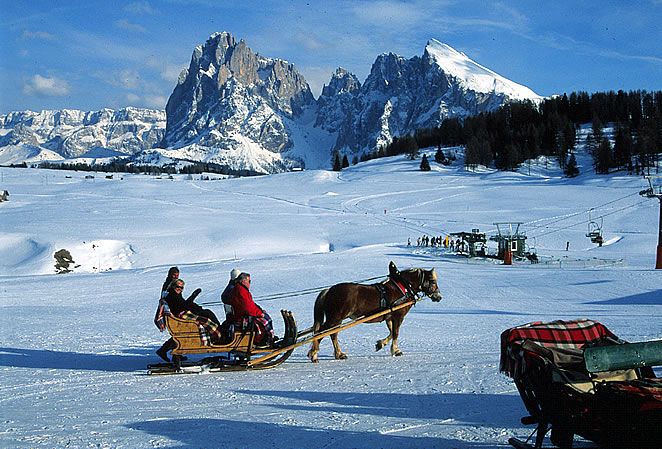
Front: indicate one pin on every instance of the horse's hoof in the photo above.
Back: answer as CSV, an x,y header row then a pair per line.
x,y
397,353
341,356
378,346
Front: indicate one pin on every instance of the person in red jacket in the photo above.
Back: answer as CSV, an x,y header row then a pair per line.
x,y
244,307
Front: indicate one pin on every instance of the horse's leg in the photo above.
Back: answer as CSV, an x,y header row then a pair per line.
x,y
395,331
318,317
383,342
336,348
314,350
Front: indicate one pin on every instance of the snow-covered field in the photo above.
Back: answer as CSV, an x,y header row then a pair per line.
x,y
74,347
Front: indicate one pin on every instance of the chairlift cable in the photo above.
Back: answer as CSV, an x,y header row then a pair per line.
x,y
577,213
583,222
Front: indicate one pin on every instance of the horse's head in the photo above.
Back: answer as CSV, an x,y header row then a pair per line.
x,y
423,281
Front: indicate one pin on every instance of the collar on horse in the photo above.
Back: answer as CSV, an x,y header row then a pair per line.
x,y
401,284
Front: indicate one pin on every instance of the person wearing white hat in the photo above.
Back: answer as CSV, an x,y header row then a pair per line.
x,y
225,296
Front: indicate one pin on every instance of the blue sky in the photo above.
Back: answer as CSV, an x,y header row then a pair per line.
x,y
93,54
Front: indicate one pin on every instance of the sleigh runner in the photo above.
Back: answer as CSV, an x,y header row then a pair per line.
x,y
236,352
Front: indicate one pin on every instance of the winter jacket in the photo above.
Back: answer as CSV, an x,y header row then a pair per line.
x,y
225,296
242,302
179,305
162,308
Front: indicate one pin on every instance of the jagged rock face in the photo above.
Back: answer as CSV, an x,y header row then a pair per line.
x,y
71,133
227,91
401,95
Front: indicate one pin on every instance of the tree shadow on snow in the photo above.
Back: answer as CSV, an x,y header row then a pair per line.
x,y
653,298
476,409
210,432
42,358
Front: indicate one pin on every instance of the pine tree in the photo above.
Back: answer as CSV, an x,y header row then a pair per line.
x,y
336,162
605,157
439,156
571,169
623,146
425,165
345,162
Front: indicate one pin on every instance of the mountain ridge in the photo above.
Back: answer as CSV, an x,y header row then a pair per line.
x,y
233,106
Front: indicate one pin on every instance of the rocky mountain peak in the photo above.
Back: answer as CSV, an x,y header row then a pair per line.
x,y
341,81
471,75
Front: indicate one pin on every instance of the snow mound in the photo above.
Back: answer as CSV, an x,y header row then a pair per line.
x,y
17,154
18,250
100,255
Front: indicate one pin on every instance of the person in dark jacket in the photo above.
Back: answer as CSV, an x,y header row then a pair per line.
x,y
244,307
159,318
178,305
173,273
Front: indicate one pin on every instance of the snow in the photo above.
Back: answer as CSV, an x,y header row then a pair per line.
x,y
475,76
74,347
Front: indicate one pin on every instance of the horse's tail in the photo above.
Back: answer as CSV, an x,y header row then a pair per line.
x,y
318,314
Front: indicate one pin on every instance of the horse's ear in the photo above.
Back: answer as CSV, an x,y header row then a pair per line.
x,y
392,269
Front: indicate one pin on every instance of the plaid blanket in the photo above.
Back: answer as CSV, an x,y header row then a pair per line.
x,y
561,334
210,332
648,392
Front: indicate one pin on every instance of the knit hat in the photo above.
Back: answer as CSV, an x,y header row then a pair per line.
x,y
234,274
172,270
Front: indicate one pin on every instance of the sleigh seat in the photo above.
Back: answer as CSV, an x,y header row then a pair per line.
x,y
577,378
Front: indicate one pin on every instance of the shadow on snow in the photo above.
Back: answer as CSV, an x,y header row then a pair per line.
x,y
212,432
476,409
653,298
137,359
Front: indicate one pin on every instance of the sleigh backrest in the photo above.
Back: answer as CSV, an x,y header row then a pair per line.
x,y
566,336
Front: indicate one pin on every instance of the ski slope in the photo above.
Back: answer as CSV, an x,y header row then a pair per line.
x,y
74,347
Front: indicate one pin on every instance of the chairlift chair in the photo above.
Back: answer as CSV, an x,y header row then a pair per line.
x,y
594,231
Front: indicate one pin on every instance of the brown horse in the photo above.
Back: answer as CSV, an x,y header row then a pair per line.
x,y
350,300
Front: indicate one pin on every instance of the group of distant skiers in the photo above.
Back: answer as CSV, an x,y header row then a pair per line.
x,y
240,309
439,241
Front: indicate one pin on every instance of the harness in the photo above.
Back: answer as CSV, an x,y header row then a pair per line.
x,y
401,284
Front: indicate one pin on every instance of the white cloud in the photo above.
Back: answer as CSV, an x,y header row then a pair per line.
x,y
129,79
43,35
171,72
388,12
132,99
139,8
309,41
128,26
49,87
155,101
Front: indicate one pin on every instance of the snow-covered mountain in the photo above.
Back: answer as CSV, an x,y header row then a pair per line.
x,y
235,107
401,95
68,133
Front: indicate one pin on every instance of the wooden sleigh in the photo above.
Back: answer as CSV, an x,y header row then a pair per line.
x,y
577,378
239,353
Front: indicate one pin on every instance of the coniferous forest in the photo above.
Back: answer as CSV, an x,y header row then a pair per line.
x,y
523,130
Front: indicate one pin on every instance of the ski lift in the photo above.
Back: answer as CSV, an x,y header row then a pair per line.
x,y
594,231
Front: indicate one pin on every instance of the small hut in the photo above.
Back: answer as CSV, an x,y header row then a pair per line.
x,y
509,238
475,241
